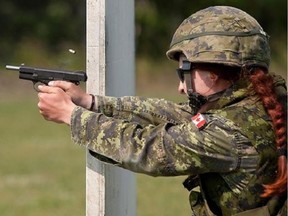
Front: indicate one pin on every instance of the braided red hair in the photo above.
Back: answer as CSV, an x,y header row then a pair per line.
x,y
262,83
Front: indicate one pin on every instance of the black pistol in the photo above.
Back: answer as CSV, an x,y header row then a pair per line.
x,y
41,75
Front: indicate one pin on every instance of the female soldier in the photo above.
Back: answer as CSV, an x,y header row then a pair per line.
x,y
230,137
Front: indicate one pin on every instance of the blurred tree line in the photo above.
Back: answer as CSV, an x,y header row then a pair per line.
x,y
55,23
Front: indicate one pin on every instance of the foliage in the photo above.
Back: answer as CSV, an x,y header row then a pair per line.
x,y
53,22
58,22
156,20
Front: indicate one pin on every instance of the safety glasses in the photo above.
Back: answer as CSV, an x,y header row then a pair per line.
x,y
185,69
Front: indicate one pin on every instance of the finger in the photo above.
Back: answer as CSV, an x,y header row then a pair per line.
x,y
40,104
44,115
43,88
41,112
48,89
61,84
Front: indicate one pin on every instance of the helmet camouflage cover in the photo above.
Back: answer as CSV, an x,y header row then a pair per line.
x,y
221,34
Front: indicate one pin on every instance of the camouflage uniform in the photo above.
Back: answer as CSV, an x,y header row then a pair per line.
x,y
234,148
228,149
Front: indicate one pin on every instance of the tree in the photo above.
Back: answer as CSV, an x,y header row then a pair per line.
x,y
156,20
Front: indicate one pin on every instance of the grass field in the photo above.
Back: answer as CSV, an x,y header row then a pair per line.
x,y
43,173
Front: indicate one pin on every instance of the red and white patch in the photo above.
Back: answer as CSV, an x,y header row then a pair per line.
x,y
199,120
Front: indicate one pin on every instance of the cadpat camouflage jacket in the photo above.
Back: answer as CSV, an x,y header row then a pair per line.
x,y
230,147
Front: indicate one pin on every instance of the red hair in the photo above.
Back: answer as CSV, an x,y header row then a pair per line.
x,y
262,83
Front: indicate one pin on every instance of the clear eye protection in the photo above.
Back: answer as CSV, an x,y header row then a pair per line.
x,y
185,69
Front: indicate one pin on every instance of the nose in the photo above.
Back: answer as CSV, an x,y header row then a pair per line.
x,y
181,87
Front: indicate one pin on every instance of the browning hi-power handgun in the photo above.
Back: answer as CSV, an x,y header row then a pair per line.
x,y
41,75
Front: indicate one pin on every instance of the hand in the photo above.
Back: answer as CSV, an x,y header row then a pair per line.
x,y
55,104
78,96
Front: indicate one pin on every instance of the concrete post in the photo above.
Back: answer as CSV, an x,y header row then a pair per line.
x,y
110,191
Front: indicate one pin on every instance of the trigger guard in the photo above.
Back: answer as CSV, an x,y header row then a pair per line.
x,y
36,84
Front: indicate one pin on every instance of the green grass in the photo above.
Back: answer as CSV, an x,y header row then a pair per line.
x,y
162,196
43,173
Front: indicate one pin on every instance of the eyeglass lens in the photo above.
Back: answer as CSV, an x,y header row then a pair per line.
x,y
186,68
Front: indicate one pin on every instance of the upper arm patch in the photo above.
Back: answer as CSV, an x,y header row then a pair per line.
x,y
199,120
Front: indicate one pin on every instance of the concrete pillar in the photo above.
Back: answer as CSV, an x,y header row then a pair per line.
x,y
110,67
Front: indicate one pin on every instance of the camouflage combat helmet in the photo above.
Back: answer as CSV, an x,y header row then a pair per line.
x,y
221,34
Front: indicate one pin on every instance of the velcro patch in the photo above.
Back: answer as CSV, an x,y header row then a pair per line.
x,y
199,120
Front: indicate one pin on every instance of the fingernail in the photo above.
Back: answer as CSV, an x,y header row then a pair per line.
x,y
51,83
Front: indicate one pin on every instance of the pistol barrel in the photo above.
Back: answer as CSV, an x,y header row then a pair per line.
x,y
11,67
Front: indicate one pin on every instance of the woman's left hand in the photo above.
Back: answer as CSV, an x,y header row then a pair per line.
x,y
54,104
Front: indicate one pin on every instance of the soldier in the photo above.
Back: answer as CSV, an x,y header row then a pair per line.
x,y
229,138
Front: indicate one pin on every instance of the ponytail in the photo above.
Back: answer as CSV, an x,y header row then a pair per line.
x,y
262,83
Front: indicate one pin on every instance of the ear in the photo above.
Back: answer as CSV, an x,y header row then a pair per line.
x,y
213,76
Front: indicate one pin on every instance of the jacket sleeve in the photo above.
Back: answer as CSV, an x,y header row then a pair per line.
x,y
162,149
143,110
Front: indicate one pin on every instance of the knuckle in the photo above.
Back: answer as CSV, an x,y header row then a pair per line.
x,y
69,85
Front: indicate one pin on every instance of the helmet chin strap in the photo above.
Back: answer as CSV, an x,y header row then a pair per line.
x,y
195,100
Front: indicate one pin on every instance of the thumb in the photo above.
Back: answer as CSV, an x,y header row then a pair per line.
x,y
46,89
61,84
